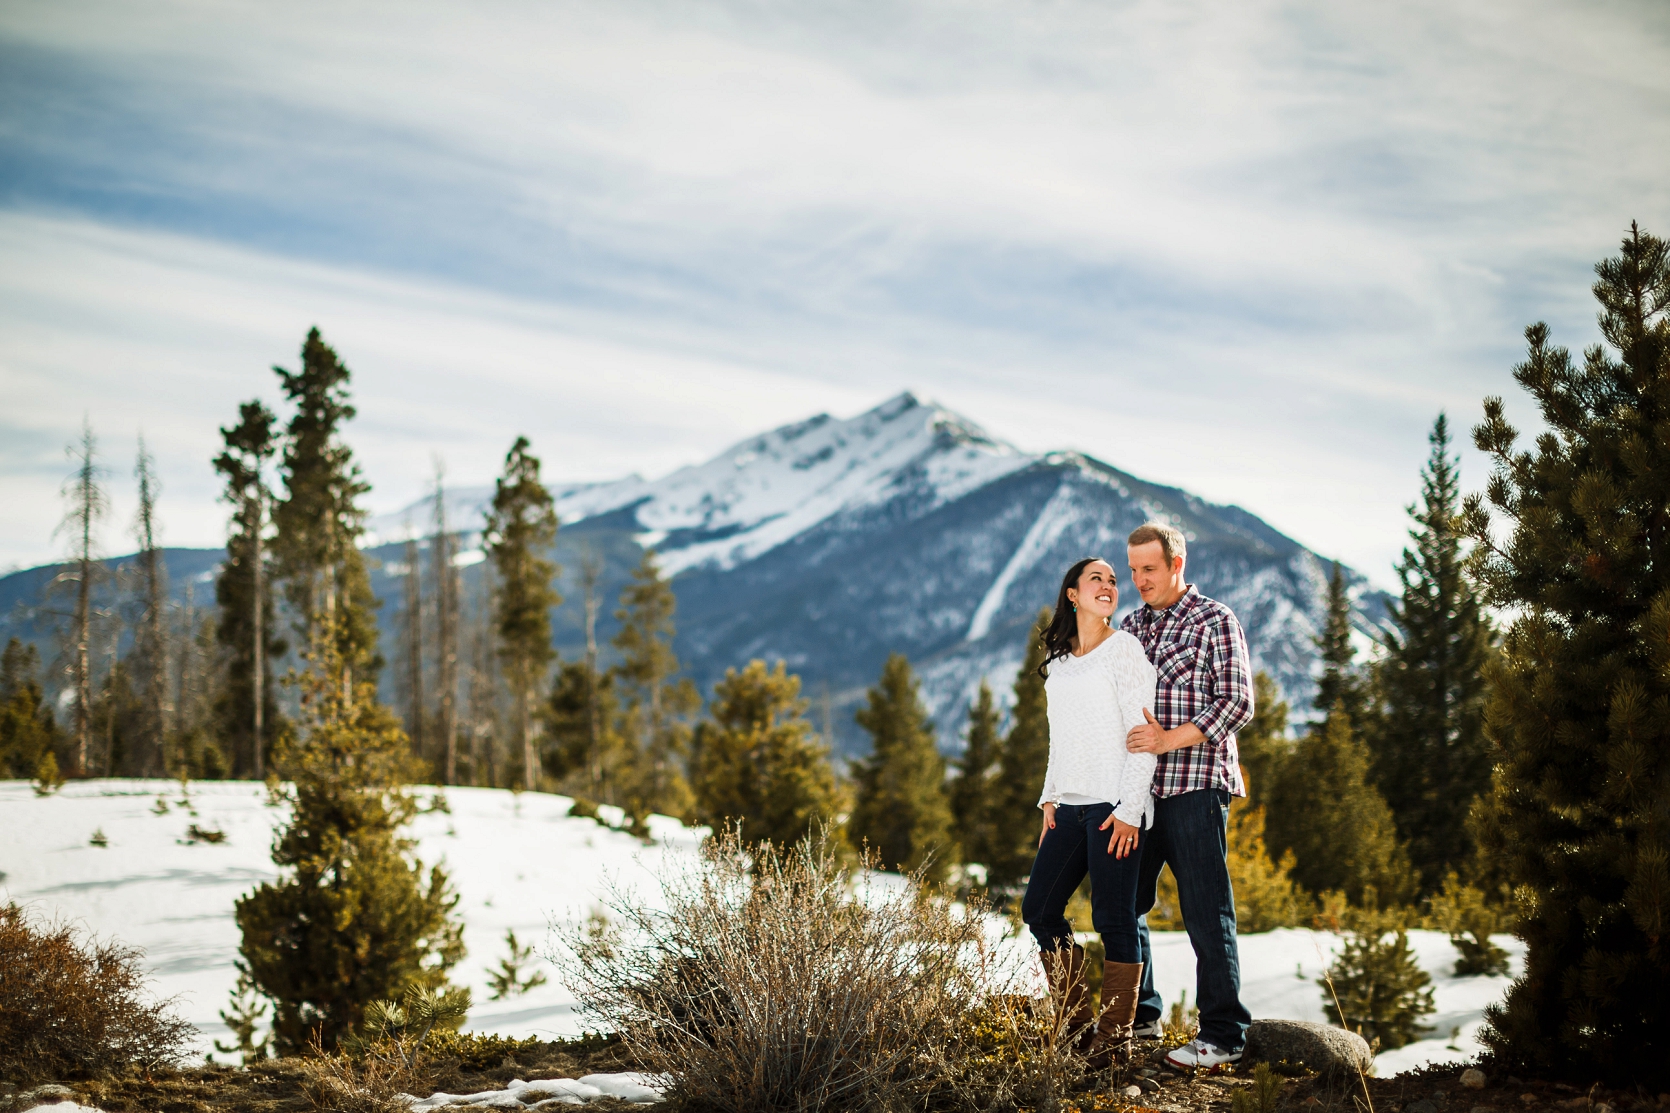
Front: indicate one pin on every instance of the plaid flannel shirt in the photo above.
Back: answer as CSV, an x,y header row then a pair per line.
x,y
1205,677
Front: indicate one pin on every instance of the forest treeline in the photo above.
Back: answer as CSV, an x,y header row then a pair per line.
x,y
1463,774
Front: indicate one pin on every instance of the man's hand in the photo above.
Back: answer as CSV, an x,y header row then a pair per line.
x,y
1148,737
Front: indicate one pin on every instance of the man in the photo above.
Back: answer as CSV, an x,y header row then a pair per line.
x,y
1203,696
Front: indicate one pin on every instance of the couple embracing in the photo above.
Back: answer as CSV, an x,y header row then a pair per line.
x,y
1141,770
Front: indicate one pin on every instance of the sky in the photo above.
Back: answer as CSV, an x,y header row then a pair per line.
x,y
1248,248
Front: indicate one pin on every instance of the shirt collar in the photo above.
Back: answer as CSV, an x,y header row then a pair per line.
x,y
1184,603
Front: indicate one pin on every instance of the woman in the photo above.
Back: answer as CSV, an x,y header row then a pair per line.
x,y
1098,681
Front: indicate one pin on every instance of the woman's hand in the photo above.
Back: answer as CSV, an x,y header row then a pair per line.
x,y
1124,840
1049,822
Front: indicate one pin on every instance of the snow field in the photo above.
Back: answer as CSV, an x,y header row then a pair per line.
x,y
518,862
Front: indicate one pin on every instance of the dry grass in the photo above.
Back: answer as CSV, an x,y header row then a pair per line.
x,y
775,982
71,1004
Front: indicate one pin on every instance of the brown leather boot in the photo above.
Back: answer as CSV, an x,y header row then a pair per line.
x,y
1065,970
1121,981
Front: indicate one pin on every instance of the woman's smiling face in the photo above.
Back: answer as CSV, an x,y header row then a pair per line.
x,y
1096,593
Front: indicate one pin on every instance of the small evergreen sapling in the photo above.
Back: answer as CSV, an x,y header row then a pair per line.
x,y
507,980
243,1015
1374,986
1462,911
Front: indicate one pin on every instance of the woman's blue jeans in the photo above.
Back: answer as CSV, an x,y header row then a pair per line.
x,y
1072,848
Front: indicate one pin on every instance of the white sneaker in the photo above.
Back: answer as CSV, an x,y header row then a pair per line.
x,y
1202,1054
1148,1030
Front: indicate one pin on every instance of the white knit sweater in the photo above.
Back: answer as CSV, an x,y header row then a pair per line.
x,y
1094,701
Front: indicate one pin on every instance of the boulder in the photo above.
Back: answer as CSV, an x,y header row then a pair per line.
x,y
1329,1051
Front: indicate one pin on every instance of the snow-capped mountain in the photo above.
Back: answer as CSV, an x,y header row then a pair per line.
x,y
831,543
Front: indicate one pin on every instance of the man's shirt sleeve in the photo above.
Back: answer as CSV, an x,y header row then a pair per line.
x,y
1231,705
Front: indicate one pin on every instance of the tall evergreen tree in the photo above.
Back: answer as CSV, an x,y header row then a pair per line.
x,y
1324,808
150,652
521,528
756,760
972,787
85,496
584,749
1340,686
657,704
247,629
319,521
1431,757
1264,744
1020,771
899,806
1580,699
353,919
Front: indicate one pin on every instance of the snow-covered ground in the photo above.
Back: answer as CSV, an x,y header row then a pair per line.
x,y
519,862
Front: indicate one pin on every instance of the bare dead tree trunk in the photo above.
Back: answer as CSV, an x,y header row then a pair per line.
x,y
87,506
414,648
110,696
259,655
446,633
153,657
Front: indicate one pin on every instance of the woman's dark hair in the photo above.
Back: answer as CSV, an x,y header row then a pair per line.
x,y
1064,627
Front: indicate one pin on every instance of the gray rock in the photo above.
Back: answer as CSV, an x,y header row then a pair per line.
x,y
1329,1051
1422,1106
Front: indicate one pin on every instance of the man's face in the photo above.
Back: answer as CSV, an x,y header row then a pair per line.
x,y
1159,583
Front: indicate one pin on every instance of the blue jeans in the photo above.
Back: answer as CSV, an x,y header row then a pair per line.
x,y
1072,848
1189,833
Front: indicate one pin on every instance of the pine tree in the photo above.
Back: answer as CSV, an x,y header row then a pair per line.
x,y
521,528
1266,896
1326,811
755,759
86,506
1580,697
353,920
319,521
1264,744
150,652
657,704
1375,987
972,787
247,630
1431,758
899,806
1340,685
28,733
584,750
1020,771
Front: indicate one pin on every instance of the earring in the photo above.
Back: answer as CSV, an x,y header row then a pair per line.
x,y
1075,608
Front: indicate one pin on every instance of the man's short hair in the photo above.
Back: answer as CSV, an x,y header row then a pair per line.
x,y
1170,539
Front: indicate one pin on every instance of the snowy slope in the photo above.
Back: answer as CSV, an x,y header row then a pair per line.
x,y
519,862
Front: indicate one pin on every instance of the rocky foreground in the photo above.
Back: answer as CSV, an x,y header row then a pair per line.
x,y
1317,1065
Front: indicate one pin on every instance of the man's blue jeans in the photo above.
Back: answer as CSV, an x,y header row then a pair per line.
x,y
1190,834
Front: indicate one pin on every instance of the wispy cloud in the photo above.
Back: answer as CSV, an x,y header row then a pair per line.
x,y
652,227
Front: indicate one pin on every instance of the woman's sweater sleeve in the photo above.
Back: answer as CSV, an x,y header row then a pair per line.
x,y
1134,678
1049,794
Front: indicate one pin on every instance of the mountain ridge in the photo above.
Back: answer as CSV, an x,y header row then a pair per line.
x,y
830,543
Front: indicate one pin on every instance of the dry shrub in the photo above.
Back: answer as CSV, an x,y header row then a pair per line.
x,y
372,1081
71,1004
773,983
